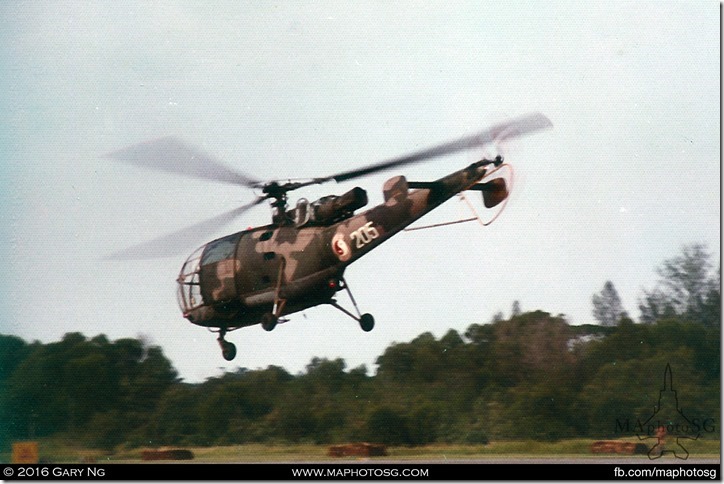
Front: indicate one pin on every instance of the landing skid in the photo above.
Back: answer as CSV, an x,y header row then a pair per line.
x,y
366,321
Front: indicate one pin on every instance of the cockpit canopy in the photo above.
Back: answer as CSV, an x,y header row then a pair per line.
x,y
204,275
189,285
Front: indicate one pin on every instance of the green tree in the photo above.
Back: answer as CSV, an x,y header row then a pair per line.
x,y
388,426
423,424
416,361
607,307
227,412
539,411
40,400
687,288
515,309
530,347
177,418
326,375
622,394
12,351
80,387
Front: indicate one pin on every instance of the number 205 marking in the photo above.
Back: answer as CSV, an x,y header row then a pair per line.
x,y
364,235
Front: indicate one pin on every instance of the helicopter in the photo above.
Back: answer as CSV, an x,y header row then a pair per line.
x,y
264,274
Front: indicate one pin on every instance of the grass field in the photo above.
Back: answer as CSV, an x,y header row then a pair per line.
x,y
66,452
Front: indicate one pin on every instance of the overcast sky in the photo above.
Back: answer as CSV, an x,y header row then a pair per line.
x,y
629,173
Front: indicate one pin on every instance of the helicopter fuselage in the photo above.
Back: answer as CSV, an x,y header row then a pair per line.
x,y
299,261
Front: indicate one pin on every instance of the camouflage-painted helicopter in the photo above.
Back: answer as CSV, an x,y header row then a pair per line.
x,y
260,275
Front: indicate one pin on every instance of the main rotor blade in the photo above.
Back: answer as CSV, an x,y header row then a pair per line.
x,y
184,239
509,129
173,156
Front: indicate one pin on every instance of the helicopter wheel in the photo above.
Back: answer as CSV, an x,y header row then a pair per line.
x,y
228,350
366,322
268,322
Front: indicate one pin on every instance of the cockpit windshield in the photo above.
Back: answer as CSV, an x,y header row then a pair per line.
x,y
193,276
189,286
220,249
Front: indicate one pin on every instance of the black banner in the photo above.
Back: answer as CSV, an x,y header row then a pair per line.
x,y
359,471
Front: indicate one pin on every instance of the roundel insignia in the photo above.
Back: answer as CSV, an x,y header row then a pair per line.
x,y
341,248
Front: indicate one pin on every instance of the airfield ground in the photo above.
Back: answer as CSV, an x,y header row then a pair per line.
x,y
575,450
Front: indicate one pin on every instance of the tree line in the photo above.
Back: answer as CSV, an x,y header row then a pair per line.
x,y
530,376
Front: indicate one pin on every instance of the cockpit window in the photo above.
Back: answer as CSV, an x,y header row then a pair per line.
x,y
189,288
220,249
189,280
